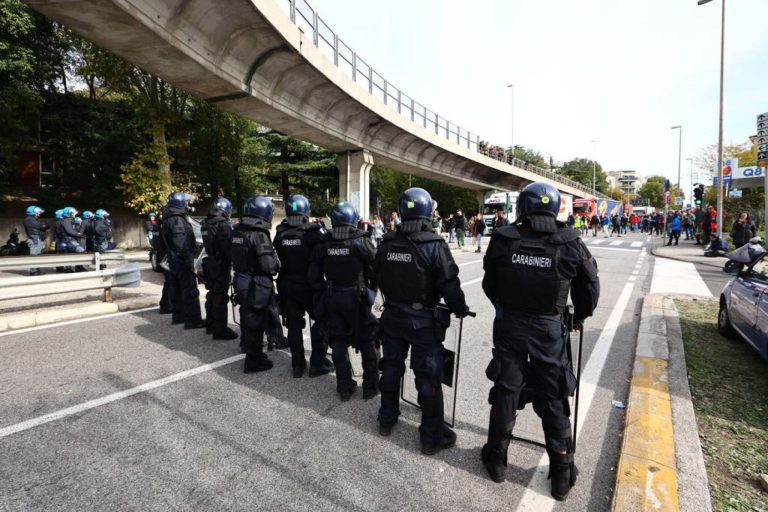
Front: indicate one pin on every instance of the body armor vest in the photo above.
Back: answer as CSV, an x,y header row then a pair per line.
x,y
406,276
248,245
530,275
342,264
294,251
209,229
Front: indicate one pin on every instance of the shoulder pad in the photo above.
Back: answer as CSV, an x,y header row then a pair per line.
x,y
425,236
283,226
311,226
564,235
390,236
510,232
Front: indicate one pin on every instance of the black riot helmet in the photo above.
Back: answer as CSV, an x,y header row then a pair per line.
x,y
538,199
297,204
260,207
344,214
221,204
415,203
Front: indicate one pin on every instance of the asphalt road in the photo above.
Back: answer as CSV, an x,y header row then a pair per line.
x,y
213,438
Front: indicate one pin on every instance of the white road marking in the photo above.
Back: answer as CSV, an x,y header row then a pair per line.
x,y
614,249
636,244
69,411
596,241
616,242
632,278
470,263
635,272
672,276
77,321
76,409
537,495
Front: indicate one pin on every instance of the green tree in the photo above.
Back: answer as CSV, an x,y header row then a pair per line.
x,y
653,190
530,155
706,158
580,171
389,184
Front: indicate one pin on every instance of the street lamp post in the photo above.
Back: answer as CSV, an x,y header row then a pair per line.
x,y
720,126
679,128
511,88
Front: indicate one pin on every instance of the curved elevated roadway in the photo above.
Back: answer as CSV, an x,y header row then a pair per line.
x,y
282,66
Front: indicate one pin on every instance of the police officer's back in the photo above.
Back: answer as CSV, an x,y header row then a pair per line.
x,y
180,243
415,270
295,240
216,230
530,268
255,264
341,272
87,229
101,227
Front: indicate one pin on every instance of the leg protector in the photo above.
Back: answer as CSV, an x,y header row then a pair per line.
x,y
344,382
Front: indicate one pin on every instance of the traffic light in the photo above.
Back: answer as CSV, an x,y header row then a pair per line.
x,y
698,193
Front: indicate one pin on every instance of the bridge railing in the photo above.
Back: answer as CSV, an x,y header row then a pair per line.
x,y
362,73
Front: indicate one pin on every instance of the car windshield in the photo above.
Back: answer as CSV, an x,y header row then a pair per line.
x,y
491,209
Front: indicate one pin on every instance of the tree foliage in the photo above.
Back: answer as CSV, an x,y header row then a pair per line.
x,y
389,184
706,158
580,171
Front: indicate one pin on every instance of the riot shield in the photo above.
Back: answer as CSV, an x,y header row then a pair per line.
x,y
451,357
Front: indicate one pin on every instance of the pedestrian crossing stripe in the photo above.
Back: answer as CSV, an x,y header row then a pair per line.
x,y
617,242
636,244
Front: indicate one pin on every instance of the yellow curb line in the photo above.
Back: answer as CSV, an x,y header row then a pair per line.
x,y
646,478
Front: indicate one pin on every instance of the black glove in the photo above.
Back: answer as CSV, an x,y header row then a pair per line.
x,y
465,312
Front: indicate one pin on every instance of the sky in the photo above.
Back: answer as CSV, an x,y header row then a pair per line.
x,y
619,72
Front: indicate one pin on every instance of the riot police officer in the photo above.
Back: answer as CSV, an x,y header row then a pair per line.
x,y
341,272
72,235
35,230
161,251
180,242
216,229
415,269
295,240
530,267
102,231
87,230
255,264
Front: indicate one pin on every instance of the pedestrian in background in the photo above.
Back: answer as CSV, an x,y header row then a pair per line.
x,y
675,228
743,229
478,231
461,226
378,230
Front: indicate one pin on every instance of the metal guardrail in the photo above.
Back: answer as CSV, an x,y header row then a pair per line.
x,y
36,286
346,59
96,259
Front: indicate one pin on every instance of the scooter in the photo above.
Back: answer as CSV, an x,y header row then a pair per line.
x,y
743,256
13,247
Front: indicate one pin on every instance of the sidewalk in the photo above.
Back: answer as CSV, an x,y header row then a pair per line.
x,y
661,465
686,251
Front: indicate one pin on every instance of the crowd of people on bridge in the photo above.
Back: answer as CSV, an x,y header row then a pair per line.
x,y
335,276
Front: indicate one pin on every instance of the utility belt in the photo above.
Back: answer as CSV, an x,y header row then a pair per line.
x,y
439,313
502,311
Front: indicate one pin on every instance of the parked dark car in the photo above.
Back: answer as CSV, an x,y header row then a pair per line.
x,y
744,305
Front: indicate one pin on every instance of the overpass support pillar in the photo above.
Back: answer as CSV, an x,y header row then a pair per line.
x,y
480,196
355,179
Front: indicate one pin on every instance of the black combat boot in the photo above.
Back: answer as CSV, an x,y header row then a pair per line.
x,y
323,369
495,463
257,363
448,441
562,472
225,334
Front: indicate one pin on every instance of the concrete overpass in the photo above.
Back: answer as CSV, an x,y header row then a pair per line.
x,y
281,65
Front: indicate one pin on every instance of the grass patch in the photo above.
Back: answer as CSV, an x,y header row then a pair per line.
x,y
729,384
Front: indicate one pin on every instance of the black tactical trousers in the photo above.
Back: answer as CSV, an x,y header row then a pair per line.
x,y
345,321
253,323
167,293
401,332
529,350
295,301
217,279
185,299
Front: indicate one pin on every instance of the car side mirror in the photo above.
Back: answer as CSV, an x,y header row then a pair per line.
x,y
732,269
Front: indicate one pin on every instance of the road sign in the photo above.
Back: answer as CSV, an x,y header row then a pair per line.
x,y
762,131
678,201
726,180
762,155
